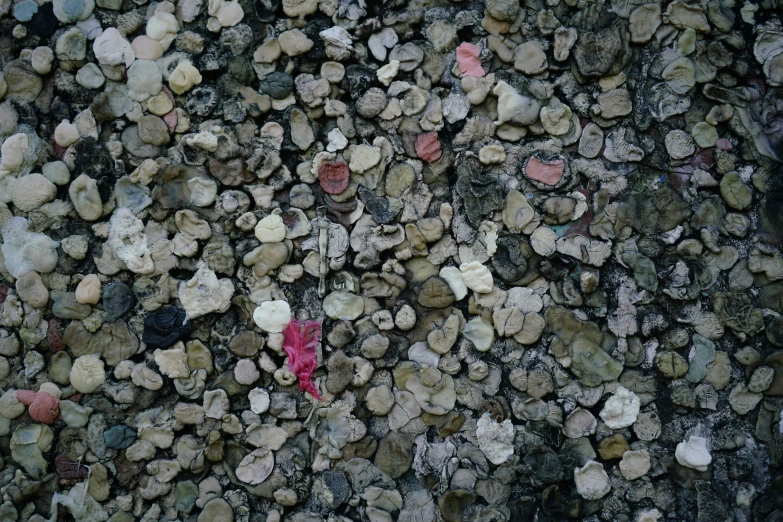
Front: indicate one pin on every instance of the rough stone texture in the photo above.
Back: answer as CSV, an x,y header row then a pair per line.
x,y
321,261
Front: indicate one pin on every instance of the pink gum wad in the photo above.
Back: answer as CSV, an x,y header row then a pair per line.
x,y
546,173
468,60
42,407
170,118
724,144
428,147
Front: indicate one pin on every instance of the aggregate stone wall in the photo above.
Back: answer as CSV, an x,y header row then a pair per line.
x,y
391,260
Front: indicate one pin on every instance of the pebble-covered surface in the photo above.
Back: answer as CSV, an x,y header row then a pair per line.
x,y
391,260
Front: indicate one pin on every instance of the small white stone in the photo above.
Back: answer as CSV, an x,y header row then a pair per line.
x,y
651,515
146,377
259,400
25,251
492,154
173,363
41,59
13,151
592,482
145,79
90,76
129,242
383,320
57,172
345,306
230,14
456,107
387,73
375,346
380,42
88,291
480,333
745,494
90,27
496,440
85,121
87,373
453,277
294,42
579,423
405,318
183,78
204,140
74,415
622,409
140,450
204,293
679,144
477,277
86,198
65,134
379,399
363,158
111,48
31,191
51,389
272,316
286,497
213,25
299,8
543,241
163,27
76,247
703,178
421,354
202,191
124,370
513,106
271,229
147,48
216,403
524,299
333,72
635,464
255,468
693,453
337,141
245,372
337,36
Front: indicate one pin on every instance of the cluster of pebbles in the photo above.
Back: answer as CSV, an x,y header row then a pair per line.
x,y
415,260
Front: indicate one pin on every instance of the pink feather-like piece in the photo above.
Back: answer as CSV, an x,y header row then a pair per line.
x,y
300,339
